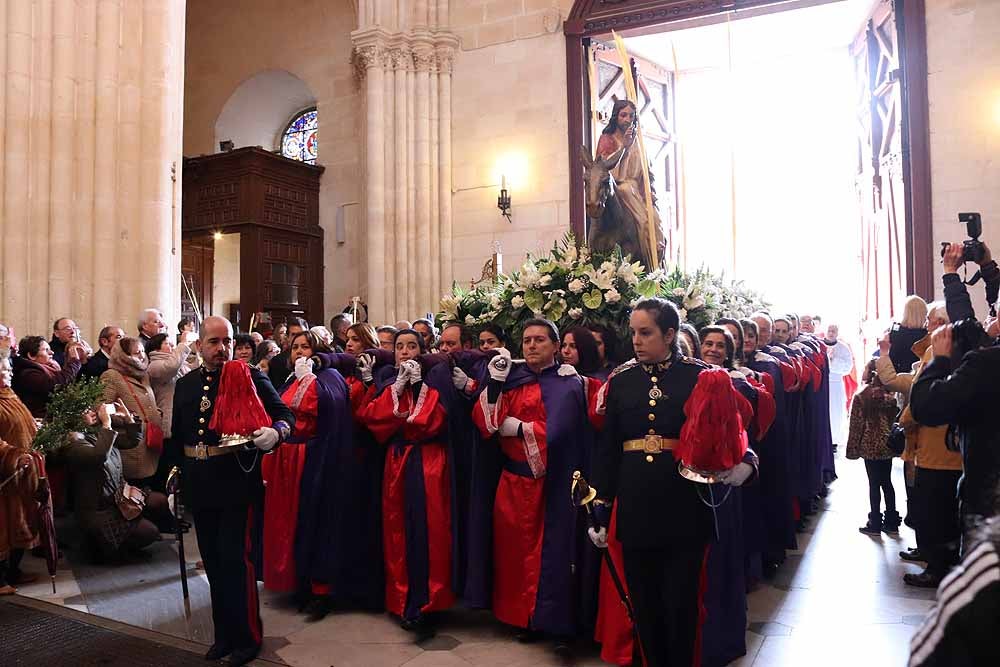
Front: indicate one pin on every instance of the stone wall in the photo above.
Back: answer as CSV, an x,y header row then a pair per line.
x,y
509,116
230,41
963,81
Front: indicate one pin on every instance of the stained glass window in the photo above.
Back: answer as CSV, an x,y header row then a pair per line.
x,y
300,137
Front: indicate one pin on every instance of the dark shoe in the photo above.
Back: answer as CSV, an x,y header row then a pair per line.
x,y
21,578
922,580
528,636
243,656
219,650
421,627
912,555
874,525
564,652
891,521
317,609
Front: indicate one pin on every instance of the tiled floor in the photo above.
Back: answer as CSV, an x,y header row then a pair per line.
x,y
839,600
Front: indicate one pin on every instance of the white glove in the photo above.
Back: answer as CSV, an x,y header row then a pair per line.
x,y
402,379
412,370
265,439
499,365
459,378
365,365
172,504
509,426
598,537
736,475
303,367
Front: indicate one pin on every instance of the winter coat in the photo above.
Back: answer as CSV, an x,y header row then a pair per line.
x,y
35,382
165,369
873,413
140,462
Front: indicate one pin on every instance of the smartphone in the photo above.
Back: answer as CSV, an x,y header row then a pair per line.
x,y
110,407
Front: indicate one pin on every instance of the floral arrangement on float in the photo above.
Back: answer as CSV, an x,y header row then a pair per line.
x,y
572,286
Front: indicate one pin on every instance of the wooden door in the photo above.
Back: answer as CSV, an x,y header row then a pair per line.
x,y
880,180
655,86
197,270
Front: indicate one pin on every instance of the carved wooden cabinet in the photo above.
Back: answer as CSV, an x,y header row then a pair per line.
x,y
273,202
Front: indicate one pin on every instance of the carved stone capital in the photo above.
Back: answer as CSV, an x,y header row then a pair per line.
x,y
400,58
444,59
423,58
368,56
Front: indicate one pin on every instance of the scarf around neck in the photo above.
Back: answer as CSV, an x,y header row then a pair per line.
x,y
127,364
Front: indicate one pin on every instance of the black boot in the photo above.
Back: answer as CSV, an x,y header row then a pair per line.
x,y
874,525
891,521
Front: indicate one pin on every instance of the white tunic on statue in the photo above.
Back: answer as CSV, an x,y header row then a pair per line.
x,y
841,363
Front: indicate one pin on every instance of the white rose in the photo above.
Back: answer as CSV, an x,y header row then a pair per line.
x,y
575,313
517,302
679,291
576,286
545,280
469,319
612,296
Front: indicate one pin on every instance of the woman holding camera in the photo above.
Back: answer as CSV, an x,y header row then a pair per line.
x,y
936,469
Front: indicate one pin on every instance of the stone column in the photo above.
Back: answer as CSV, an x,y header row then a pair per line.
x,y
92,92
422,57
408,191
445,57
371,57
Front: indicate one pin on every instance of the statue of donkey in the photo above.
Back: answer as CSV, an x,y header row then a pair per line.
x,y
609,224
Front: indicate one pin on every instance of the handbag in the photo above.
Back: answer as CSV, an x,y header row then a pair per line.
x,y
154,434
896,442
131,502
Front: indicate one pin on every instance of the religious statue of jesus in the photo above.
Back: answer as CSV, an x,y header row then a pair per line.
x,y
615,145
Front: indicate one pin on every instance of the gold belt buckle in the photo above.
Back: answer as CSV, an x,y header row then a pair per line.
x,y
201,452
652,444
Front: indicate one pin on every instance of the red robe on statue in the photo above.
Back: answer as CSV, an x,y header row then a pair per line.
x,y
406,423
282,473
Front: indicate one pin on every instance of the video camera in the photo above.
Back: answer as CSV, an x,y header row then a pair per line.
x,y
972,248
968,335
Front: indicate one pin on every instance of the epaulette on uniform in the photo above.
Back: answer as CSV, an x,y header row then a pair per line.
x,y
631,363
693,361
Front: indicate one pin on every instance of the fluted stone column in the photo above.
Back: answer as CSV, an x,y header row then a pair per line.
x,y
92,92
407,177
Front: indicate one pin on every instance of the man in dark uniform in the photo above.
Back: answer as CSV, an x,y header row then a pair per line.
x,y
225,491
662,523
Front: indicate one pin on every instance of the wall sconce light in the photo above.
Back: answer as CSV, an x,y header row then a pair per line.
x,y
217,236
503,201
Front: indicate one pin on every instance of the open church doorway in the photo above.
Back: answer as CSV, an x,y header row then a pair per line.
x,y
787,142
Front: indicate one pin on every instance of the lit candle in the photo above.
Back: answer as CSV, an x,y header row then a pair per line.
x,y
503,182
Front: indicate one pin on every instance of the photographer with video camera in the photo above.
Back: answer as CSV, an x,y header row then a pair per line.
x,y
959,386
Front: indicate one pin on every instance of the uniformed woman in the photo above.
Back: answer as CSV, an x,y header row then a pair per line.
x,y
662,521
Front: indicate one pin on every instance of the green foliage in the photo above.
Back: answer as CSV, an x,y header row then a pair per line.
x,y
65,413
573,287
